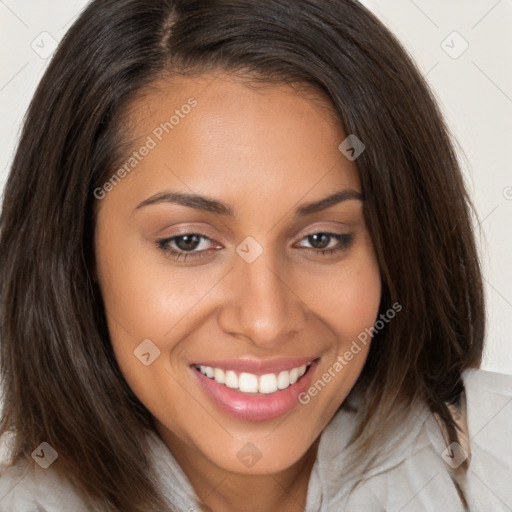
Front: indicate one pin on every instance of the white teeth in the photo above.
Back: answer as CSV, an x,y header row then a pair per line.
x,y
283,380
231,379
250,383
219,375
268,383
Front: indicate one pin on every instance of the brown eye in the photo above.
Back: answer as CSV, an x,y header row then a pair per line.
x,y
184,245
321,242
187,242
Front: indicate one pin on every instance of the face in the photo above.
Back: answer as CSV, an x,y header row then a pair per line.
x,y
254,283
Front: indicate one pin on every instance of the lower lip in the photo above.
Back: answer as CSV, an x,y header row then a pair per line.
x,y
255,407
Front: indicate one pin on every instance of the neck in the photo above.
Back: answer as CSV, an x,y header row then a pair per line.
x,y
219,490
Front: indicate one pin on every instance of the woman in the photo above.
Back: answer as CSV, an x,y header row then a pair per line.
x,y
238,273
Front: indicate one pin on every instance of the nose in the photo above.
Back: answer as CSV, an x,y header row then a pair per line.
x,y
261,302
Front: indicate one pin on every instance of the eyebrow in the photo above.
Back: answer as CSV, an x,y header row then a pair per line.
x,y
215,206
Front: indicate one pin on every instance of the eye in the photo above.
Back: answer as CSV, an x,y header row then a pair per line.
x,y
186,245
195,245
322,242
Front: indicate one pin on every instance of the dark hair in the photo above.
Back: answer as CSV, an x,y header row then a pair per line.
x,y
61,382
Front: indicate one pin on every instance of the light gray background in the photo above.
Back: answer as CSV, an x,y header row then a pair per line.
x,y
473,86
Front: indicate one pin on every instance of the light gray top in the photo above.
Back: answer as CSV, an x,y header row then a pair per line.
x,y
413,475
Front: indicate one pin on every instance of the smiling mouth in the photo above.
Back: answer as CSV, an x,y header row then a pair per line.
x,y
250,383
256,390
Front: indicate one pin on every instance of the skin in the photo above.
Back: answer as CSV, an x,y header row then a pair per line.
x,y
264,152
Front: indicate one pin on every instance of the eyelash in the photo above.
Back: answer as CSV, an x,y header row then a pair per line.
x,y
164,244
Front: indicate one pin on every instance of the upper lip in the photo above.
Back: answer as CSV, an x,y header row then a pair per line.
x,y
258,366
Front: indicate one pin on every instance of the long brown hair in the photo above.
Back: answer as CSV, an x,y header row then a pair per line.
x,y
61,382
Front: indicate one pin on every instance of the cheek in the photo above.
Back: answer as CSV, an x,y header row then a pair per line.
x,y
360,298
143,303
349,305
143,298
348,296
139,304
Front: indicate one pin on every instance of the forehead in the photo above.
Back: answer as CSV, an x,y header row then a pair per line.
x,y
224,90
227,134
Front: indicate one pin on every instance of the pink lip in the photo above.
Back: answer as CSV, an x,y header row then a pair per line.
x,y
257,367
255,406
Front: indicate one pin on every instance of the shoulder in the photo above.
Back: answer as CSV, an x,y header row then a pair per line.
x,y
418,474
489,418
484,381
26,487
489,407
